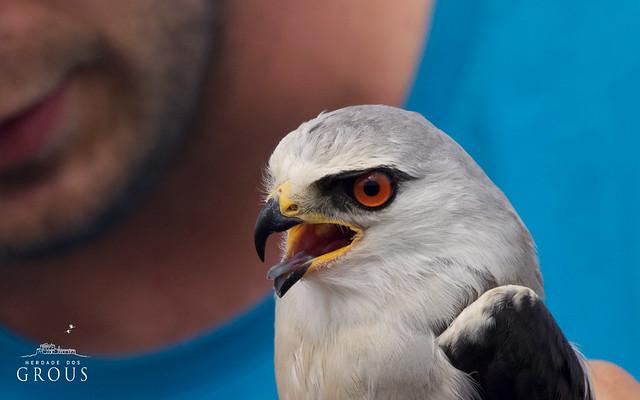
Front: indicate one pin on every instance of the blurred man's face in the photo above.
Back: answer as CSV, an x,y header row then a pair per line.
x,y
90,92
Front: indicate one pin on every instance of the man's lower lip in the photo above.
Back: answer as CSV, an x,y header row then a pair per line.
x,y
24,134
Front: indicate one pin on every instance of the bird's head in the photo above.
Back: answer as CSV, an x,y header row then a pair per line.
x,y
377,198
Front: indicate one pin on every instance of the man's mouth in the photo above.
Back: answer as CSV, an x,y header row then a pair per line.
x,y
312,243
26,132
310,246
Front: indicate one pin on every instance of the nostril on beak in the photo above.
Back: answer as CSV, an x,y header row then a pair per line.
x,y
292,208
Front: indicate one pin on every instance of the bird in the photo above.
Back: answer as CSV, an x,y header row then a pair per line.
x,y
405,271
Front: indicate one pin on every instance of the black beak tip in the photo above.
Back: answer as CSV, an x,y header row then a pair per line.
x,y
261,233
270,220
260,251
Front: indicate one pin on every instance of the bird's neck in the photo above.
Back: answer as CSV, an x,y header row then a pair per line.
x,y
425,301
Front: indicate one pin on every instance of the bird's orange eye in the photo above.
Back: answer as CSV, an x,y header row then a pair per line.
x,y
373,189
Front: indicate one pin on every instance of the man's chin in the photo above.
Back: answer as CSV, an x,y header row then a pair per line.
x,y
51,230
38,220
53,207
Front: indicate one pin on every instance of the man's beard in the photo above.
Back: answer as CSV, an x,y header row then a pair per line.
x,y
174,126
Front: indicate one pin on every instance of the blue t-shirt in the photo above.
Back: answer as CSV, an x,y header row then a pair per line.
x,y
544,96
233,361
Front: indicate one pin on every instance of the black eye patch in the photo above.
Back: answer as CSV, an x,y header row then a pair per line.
x,y
337,189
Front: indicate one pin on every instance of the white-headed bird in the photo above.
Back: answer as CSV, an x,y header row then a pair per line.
x,y
406,272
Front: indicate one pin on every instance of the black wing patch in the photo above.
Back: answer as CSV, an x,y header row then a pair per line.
x,y
510,344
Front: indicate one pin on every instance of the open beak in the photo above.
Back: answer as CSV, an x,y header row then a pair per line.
x,y
313,241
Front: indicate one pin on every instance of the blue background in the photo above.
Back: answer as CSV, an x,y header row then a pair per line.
x,y
232,361
545,96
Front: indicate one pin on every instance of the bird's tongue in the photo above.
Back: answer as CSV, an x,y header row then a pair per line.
x,y
289,271
312,240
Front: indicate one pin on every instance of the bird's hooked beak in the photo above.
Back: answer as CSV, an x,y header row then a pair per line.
x,y
312,239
